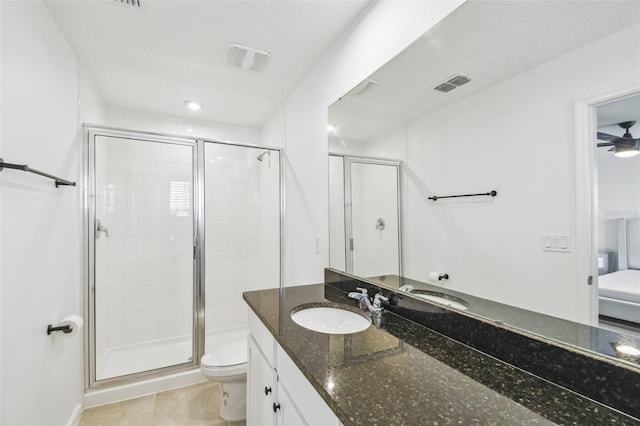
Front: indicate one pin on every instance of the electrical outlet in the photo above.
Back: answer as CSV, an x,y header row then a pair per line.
x,y
317,243
560,243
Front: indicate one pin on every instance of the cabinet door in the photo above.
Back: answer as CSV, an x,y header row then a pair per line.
x,y
288,414
260,388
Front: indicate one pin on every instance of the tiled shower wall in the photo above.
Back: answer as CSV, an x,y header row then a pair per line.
x,y
242,218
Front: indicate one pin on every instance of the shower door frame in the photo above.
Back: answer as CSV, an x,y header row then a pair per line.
x,y
89,270
347,161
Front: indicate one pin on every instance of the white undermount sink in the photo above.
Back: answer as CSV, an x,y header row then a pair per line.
x,y
330,320
446,301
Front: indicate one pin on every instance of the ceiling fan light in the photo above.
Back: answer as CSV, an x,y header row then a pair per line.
x,y
626,152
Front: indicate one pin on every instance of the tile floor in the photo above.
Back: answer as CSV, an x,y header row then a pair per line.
x,y
196,405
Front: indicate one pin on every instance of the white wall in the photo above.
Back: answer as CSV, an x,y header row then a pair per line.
x,y
519,140
41,250
300,124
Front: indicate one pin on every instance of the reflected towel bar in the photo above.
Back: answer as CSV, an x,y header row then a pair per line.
x,y
491,193
24,167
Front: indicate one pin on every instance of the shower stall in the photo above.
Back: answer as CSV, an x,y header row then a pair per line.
x,y
365,215
176,229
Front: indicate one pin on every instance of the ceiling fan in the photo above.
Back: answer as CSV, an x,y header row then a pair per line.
x,y
622,146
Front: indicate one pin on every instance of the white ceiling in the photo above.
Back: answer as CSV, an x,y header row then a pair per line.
x,y
155,57
489,40
627,109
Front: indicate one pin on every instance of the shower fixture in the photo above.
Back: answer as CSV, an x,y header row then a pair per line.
x,y
261,157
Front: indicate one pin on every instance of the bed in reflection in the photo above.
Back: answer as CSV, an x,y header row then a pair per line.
x,y
619,291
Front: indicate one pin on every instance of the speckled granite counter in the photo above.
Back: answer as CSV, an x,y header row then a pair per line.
x,y
404,373
592,339
614,382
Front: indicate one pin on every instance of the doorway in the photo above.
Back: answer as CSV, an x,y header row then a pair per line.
x,y
608,209
617,189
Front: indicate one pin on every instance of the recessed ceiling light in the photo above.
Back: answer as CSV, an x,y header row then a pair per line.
x,y
193,105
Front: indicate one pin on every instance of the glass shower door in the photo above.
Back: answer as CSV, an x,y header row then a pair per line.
x,y
143,289
242,234
372,194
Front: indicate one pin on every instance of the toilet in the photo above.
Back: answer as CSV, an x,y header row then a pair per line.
x,y
226,363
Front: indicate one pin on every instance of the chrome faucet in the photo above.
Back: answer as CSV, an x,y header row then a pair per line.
x,y
374,309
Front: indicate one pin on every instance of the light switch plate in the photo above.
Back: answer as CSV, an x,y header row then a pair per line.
x,y
560,243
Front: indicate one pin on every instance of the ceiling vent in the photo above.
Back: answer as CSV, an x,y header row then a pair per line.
x,y
444,87
453,82
134,3
246,58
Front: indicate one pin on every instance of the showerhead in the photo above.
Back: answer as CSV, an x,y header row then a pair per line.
x,y
261,156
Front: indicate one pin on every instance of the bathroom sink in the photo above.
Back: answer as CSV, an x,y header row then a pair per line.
x,y
442,299
330,320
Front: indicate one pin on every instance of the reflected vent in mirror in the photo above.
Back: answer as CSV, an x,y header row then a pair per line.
x,y
363,87
444,87
134,3
452,82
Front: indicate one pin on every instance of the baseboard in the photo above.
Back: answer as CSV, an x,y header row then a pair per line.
x,y
75,415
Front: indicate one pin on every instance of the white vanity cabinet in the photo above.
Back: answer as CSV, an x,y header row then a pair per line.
x,y
277,391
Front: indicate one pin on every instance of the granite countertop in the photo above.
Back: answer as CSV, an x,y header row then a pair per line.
x,y
404,373
598,341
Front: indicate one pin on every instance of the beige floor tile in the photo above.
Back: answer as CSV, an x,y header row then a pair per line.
x,y
239,423
196,405
137,411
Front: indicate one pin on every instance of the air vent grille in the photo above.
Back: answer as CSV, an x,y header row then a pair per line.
x,y
459,80
247,58
445,87
134,3
452,82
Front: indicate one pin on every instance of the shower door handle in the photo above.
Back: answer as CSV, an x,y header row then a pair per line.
x,y
101,228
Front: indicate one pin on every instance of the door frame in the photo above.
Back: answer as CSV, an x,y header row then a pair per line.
x,y
89,237
586,231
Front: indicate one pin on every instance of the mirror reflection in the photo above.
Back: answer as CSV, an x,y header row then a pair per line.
x,y
498,110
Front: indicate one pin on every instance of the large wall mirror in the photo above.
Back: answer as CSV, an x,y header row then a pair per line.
x,y
486,101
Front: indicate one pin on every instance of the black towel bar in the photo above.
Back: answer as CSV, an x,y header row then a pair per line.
x,y
24,167
437,197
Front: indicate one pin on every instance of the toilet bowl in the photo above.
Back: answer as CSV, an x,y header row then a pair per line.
x,y
226,363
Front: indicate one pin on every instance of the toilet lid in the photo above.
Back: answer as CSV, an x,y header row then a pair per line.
x,y
226,353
